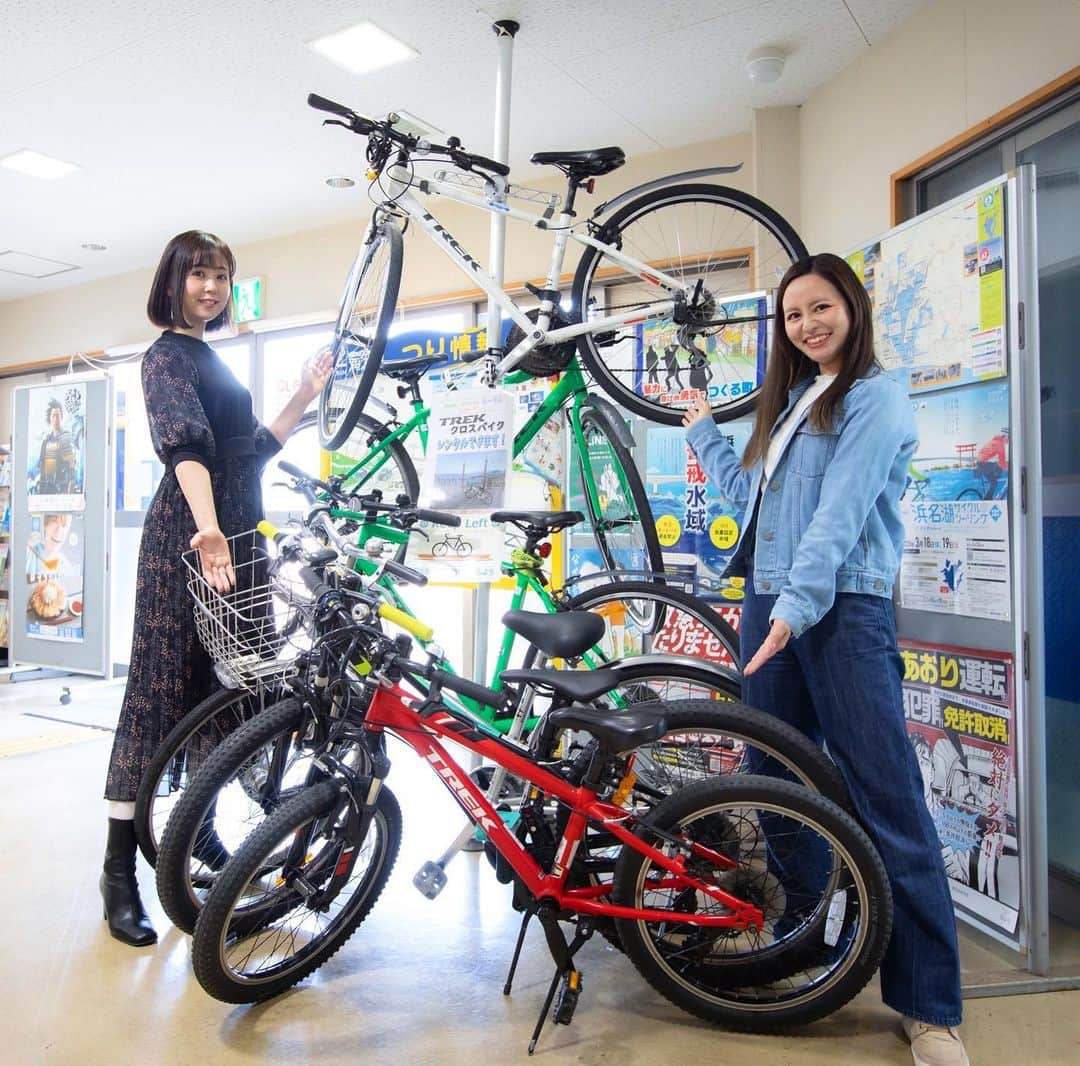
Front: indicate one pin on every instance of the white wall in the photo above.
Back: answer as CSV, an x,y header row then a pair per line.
x,y
952,65
305,271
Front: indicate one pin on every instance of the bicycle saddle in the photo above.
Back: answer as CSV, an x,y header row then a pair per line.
x,y
411,369
565,634
578,685
590,163
552,521
617,731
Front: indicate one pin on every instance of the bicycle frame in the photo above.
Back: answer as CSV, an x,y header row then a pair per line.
x,y
400,183
423,733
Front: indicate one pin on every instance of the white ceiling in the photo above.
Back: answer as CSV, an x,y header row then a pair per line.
x,y
192,113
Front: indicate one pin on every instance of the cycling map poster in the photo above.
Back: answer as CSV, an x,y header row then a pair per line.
x,y
960,712
694,523
955,505
729,364
55,460
937,287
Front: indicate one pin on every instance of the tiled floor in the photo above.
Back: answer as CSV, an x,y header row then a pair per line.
x,y
419,983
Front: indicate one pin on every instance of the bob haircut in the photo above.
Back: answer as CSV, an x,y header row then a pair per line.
x,y
788,366
193,248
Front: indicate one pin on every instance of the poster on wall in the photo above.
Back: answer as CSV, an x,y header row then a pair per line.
x,y
54,576
697,526
55,466
467,472
938,291
955,505
729,363
960,711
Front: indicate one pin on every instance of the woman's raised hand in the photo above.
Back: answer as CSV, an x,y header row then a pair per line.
x,y
316,373
214,556
697,410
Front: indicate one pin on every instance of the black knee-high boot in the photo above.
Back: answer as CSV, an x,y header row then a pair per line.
x,y
119,889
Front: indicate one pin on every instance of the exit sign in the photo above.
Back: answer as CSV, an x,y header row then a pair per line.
x,y
248,297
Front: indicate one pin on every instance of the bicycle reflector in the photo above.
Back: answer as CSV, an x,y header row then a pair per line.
x,y
544,550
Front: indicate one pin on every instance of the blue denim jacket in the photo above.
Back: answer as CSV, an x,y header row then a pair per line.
x,y
829,518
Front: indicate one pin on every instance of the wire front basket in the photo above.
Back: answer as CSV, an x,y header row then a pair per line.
x,y
247,631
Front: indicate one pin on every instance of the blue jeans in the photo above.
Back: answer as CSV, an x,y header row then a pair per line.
x,y
840,683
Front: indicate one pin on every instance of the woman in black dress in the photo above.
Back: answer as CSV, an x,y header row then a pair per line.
x,y
214,450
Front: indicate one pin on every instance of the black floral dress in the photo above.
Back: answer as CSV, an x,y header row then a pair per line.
x,y
197,410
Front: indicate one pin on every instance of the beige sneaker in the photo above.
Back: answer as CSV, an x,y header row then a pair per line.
x,y
934,1045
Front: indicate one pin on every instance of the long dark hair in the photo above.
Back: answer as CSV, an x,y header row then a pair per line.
x,y
788,366
193,248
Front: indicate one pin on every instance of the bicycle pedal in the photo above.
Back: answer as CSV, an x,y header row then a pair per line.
x,y
430,880
566,1000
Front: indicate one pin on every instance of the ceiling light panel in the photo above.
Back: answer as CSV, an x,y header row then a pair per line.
x,y
32,266
362,48
37,165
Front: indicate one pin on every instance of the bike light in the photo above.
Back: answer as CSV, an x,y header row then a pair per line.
x,y
544,550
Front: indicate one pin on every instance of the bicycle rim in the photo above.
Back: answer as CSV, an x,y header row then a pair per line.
x,y
296,938
730,251
644,618
615,497
818,882
360,334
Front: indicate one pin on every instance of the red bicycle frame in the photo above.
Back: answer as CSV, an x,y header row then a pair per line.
x,y
422,732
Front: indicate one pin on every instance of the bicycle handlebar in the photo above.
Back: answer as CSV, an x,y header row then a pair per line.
x,y
363,125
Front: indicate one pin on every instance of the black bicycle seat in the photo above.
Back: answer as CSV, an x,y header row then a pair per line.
x,y
578,685
552,521
617,731
590,163
562,635
409,370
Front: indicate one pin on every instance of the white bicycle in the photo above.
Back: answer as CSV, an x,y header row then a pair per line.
x,y
673,265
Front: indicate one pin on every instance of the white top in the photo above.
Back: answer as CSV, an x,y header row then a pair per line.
x,y
786,430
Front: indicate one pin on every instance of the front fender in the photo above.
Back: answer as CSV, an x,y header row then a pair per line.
x,y
607,410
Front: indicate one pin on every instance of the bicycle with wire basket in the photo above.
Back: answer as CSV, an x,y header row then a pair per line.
x,y
675,261
750,902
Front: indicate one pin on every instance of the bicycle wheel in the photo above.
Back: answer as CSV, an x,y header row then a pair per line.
x,y
615,498
645,618
183,751
800,859
312,904
439,548
360,335
970,494
730,251
387,467
246,777
464,548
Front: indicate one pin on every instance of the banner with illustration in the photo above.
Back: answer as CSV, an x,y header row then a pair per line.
x,y
54,574
955,505
726,364
938,290
467,472
696,525
55,463
960,710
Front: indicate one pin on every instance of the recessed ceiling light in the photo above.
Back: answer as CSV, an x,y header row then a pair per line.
x,y
93,246
37,165
340,181
362,48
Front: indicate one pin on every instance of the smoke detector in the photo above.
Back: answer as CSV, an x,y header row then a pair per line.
x,y
765,65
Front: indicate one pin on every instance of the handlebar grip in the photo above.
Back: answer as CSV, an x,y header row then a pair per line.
x,y
320,103
438,518
480,693
296,472
313,582
406,621
406,573
488,164
268,530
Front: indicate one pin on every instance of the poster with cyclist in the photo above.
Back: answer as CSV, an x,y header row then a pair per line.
x,y
960,712
955,505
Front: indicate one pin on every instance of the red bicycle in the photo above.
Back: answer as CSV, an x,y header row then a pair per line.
x,y
747,900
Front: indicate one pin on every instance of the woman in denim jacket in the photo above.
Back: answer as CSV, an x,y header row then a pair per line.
x,y
821,479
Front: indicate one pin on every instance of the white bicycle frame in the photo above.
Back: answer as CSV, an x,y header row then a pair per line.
x,y
399,184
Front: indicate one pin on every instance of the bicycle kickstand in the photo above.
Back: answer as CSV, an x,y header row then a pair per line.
x,y
525,919
567,981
